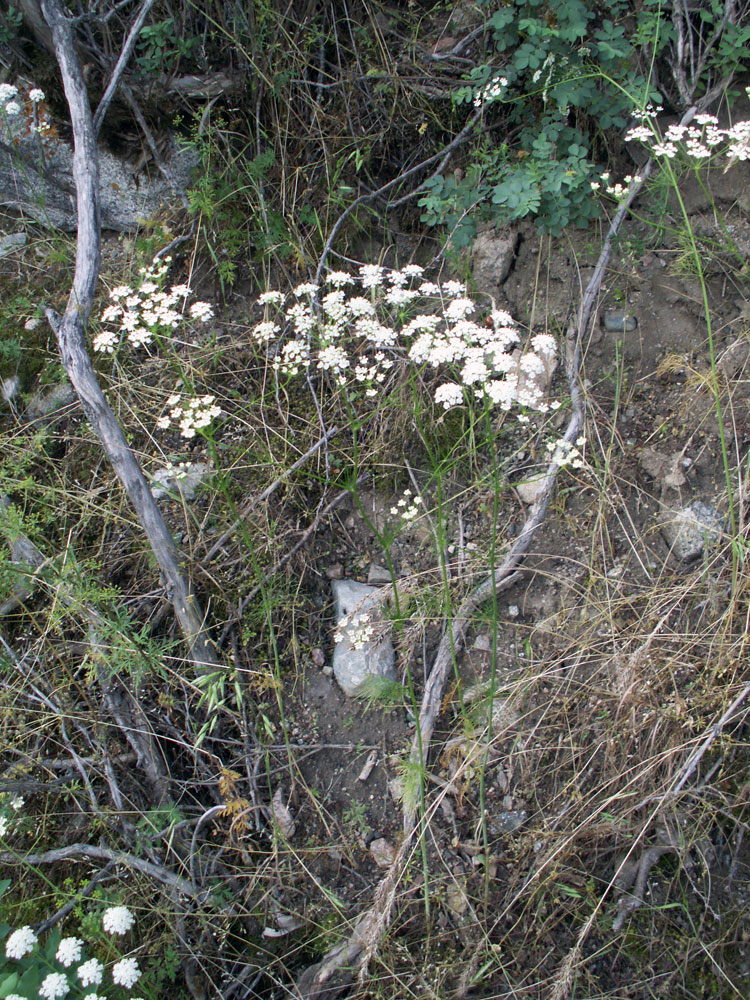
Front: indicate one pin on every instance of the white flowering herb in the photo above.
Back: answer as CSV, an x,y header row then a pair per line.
x,y
69,951
357,627
54,986
20,942
565,454
126,973
148,312
117,920
90,973
357,339
192,416
492,91
699,141
407,507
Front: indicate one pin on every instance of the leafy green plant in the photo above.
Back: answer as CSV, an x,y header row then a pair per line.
x,y
558,80
161,46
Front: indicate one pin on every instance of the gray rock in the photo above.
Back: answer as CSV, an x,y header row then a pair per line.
x,y
179,480
492,257
11,242
687,530
36,177
508,822
619,321
530,489
49,399
378,576
365,648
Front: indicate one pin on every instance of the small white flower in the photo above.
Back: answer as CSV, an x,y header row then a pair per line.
x,y
69,951
36,95
7,91
263,332
544,343
16,802
14,996
371,275
90,973
449,395
20,943
54,986
12,108
126,973
117,920
4,826
339,278
513,611
398,296
201,311
271,298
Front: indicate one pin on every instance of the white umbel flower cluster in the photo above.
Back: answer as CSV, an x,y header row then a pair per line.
x,y
90,973
126,973
396,316
69,951
20,942
54,986
117,920
147,311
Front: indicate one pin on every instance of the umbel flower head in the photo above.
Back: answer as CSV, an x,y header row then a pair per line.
x,y
20,943
117,920
126,973
90,973
356,339
54,986
69,951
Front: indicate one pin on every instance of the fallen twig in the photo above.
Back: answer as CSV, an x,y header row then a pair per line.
x,y
68,907
125,709
158,872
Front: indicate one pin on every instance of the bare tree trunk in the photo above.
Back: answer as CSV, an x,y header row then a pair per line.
x,y
71,338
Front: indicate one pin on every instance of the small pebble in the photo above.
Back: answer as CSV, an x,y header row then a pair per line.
x,y
618,321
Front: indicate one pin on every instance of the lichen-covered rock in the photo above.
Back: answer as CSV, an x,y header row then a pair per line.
x,y
36,177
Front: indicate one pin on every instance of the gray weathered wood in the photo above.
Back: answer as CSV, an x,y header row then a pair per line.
x,y
70,331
